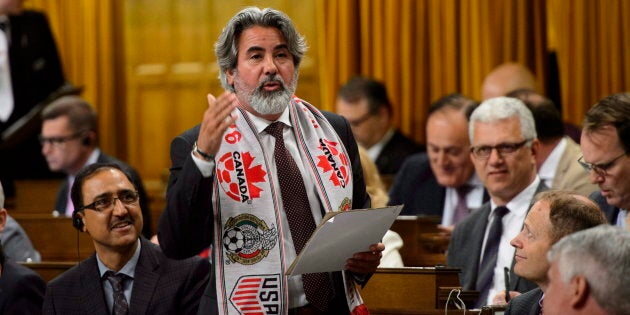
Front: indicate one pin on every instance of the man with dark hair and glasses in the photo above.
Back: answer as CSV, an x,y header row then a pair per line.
x,y
605,144
127,274
503,149
365,104
69,143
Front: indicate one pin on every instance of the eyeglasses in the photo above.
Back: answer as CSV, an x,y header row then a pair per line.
x,y
599,168
58,141
107,201
484,151
360,120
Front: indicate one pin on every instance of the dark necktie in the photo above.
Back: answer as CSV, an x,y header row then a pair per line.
x,y
120,302
461,209
298,211
489,260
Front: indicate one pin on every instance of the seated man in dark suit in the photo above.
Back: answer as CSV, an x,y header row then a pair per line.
x,y
503,150
127,274
589,273
554,215
69,143
366,106
606,147
17,245
442,181
21,289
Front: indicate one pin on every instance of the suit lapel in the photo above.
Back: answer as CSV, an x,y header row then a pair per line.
x,y
145,279
476,241
92,297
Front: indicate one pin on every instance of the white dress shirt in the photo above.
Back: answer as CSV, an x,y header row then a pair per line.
x,y
512,225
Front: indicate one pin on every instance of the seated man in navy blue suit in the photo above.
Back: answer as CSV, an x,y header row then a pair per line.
x,y
69,140
436,182
606,147
366,106
127,274
21,289
554,215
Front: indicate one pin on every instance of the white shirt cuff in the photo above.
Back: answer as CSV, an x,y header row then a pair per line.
x,y
205,167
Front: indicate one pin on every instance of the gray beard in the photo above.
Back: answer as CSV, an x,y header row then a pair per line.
x,y
270,103
274,102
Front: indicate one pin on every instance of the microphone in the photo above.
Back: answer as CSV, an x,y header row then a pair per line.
x,y
506,279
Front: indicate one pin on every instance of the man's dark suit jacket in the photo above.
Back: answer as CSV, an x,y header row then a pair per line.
x,y
160,286
394,153
62,195
525,304
416,187
21,290
611,212
36,72
186,225
464,249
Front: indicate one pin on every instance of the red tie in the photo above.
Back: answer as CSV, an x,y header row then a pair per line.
x,y
298,211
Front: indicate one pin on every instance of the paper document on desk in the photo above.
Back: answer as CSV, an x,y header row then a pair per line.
x,y
340,235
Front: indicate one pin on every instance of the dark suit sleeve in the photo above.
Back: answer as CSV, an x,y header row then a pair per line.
x,y
185,227
27,295
194,286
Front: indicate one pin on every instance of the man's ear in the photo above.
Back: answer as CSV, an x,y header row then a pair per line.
x,y
229,73
3,218
81,215
580,291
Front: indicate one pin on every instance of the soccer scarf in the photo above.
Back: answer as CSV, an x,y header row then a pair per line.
x,y
248,234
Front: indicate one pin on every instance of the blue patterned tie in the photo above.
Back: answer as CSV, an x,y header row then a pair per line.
x,y
120,302
489,261
298,211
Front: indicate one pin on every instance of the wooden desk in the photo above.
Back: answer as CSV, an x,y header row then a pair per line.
x,y
421,246
408,289
49,269
55,238
34,196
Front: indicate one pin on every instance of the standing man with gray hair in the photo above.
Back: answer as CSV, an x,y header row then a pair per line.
x,y
503,150
606,147
254,178
589,273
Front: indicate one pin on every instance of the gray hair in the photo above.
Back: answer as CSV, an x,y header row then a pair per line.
x,y
226,47
602,256
502,107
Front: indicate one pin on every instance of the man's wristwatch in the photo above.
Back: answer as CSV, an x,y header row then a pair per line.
x,y
204,155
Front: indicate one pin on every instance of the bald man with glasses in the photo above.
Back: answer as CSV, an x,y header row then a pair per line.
x,y
605,144
503,150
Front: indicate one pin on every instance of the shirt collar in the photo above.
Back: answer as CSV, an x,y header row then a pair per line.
x,y
261,123
129,269
548,168
519,205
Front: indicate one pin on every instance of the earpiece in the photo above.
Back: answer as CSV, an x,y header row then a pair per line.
x,y
77,221
87,141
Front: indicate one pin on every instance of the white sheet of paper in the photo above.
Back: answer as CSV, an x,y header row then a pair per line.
x,y
340,235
